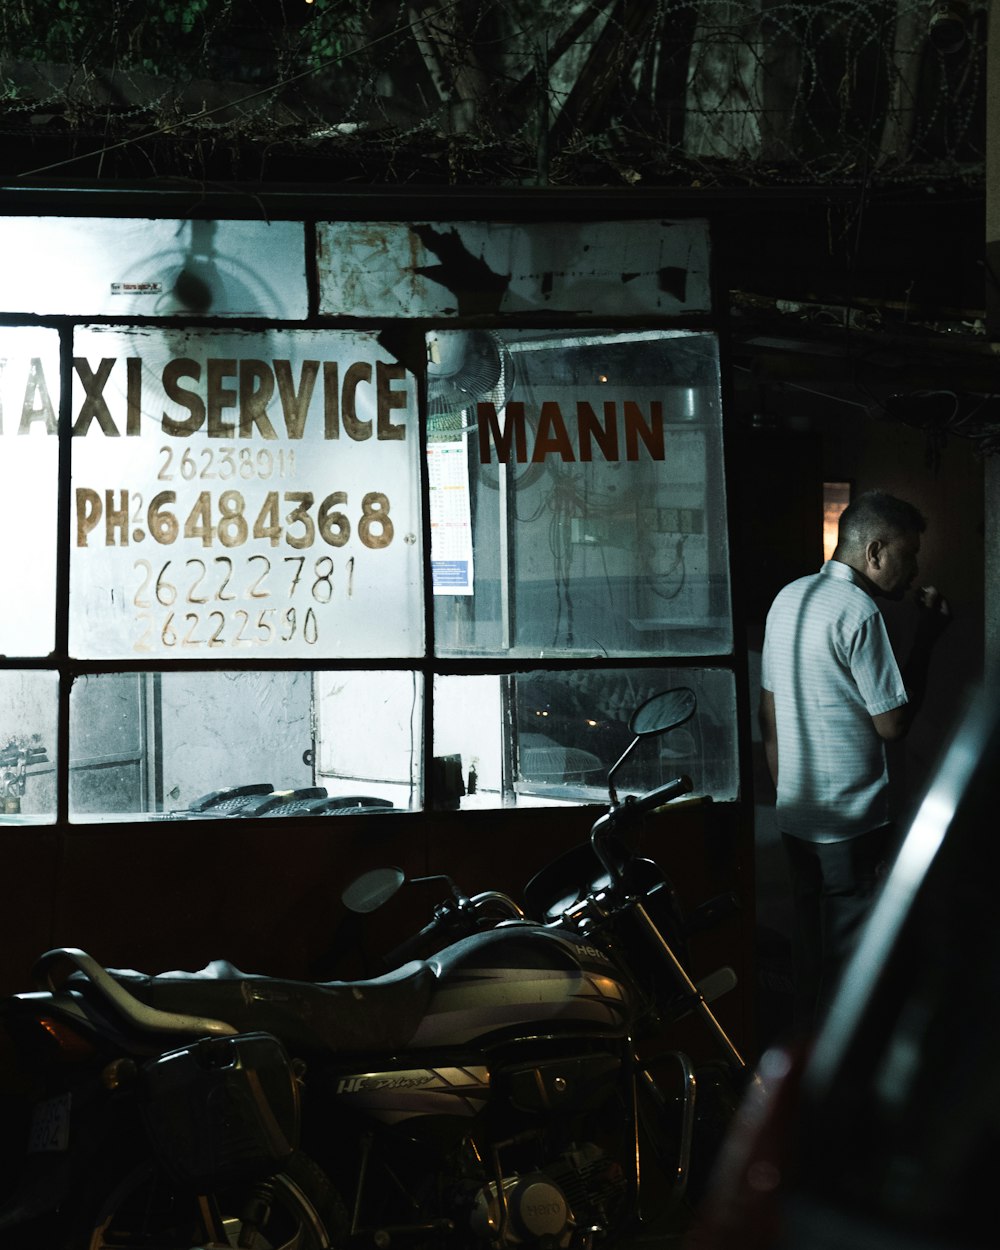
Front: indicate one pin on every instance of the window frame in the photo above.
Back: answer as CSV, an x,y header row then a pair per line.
x,y
408,336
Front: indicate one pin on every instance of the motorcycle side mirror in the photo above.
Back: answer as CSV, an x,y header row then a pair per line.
x,y
372,890
660,713
663,711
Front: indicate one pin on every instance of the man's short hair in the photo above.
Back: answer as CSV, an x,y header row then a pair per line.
x,y
876,514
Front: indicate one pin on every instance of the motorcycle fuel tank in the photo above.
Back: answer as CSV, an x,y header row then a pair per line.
x,y
521,977
515,981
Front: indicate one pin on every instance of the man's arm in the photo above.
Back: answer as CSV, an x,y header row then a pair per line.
x,y
769,732
933,619
894,724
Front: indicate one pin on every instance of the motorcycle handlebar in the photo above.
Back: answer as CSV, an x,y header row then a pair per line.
x,y
453,920
656,798
628,811
503,901
633,806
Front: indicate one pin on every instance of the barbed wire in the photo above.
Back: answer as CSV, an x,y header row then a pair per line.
x,y
716,93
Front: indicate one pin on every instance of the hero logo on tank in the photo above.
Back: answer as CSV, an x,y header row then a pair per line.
x,y
242,493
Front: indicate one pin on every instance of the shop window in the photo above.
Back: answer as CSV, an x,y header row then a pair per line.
x,y
145,267
295,566
239,494
447,270
577,495
29,700
29,485
570,727
369,731
206,743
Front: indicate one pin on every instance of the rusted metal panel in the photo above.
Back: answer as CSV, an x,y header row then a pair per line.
x,y
461,269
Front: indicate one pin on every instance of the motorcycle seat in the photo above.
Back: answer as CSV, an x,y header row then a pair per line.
x,y
381,1013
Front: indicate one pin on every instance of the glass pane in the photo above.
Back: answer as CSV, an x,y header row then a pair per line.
x,y
29,487
116,267
578,500
421,269
28,726
240,494
180,744
108,759
468,723
370,735
571,727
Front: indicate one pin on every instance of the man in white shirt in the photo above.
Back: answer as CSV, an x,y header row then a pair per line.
x,y
832,694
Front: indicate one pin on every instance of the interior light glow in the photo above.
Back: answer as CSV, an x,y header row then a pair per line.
x,y
836,497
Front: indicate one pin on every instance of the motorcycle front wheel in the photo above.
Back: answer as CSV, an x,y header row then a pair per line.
x,y
295,1210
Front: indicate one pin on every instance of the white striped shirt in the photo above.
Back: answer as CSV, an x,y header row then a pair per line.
x,y
829,663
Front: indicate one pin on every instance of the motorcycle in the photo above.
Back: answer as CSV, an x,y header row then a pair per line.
x,y
489,1095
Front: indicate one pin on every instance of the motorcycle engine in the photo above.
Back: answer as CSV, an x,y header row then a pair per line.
x,y
537,1211
580,1188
